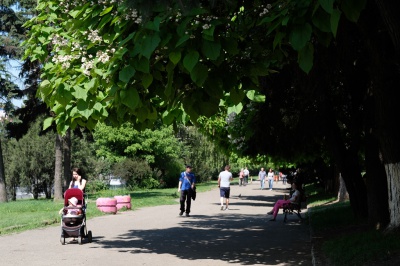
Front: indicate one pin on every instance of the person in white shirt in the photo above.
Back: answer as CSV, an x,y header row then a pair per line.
x,y
270,178
246,175
224,184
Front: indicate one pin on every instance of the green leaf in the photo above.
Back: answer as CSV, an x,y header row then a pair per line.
x,y
321,20
208,34
278,39
106,11
181,40
153,25
80,93
236,95
75,13
175,57
147,79
327,5
83,108
130,97
63,94
306,58
169,116
91,85
335,17
352,9
45,88
47,122
191,60
149,44
120,53
104,21
142,64
235,109
199,74
209,107
255,96
213,86
300,35
126,74
127,39
211,50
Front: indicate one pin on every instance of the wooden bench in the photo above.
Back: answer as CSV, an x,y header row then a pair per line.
x,y
295,207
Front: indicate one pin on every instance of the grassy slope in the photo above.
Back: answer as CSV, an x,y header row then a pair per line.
x,y
340,239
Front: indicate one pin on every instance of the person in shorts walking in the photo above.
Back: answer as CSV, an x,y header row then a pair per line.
x,y
224,184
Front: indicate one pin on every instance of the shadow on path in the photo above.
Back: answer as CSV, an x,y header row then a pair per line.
x,y
234,238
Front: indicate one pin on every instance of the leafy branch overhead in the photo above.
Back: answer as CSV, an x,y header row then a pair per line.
x,y
110,60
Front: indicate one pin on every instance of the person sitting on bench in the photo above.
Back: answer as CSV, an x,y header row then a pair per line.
x,y
280,203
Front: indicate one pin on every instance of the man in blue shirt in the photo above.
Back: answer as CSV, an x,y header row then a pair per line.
x,y
187,182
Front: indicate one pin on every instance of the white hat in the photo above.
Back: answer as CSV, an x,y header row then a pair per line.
x,y
73,201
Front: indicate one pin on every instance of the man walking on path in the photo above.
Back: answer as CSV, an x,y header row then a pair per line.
x,y
186,183
261,177
224,184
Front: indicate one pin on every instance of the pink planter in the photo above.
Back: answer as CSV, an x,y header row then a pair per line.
x,y
108,205
123,201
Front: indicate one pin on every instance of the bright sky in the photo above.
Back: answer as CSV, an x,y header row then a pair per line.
x,y
14,68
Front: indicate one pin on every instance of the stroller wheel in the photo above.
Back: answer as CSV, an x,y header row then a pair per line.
x,y
89,236
62,240
79,240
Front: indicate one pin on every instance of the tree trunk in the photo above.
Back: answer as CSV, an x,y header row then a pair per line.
x,y
342,193
3,190
67,159
58,191
375,177
393,173
350,170
383,43
346,159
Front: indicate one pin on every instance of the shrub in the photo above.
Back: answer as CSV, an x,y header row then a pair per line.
x,y
95,186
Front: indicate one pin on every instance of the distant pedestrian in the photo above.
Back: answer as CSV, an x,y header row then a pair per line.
x,y
241,177
224,184
270,179
261,177
283,177
187,182
246,175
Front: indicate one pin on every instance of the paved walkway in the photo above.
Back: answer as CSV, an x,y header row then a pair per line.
x,y
242,235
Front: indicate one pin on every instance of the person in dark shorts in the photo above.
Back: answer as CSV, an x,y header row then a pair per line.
x,y
224,184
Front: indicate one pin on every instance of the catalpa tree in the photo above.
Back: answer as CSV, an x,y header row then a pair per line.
x,y
106,60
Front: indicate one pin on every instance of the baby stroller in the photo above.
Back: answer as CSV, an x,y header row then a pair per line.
x,y
73,218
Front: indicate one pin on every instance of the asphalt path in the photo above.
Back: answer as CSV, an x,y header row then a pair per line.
x,y
242,235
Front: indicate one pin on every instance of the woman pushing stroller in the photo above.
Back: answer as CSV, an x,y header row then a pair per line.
x,y
77,180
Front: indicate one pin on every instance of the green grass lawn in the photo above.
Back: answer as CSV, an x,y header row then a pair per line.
x,y
21,215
